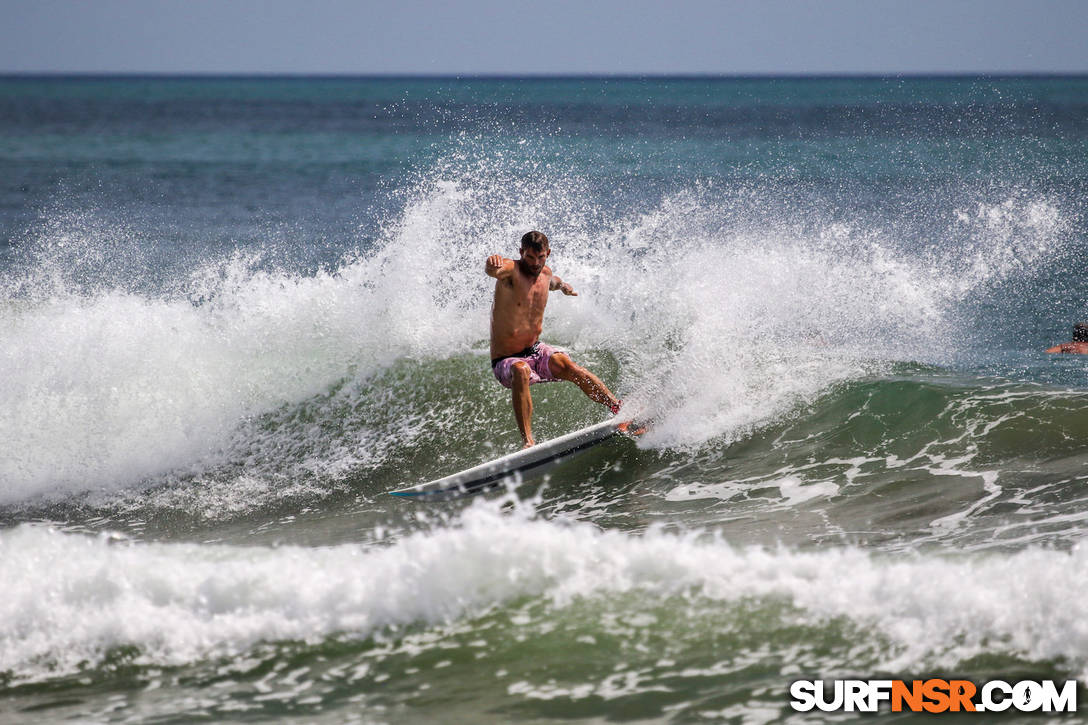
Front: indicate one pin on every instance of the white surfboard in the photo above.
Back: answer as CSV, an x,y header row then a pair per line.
x,y
491,474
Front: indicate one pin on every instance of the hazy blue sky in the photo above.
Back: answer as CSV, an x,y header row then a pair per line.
x,y
543,36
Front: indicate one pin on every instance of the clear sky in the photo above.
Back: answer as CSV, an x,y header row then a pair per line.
x,y
544,36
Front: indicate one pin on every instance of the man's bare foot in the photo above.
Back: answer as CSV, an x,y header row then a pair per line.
x,y
529,443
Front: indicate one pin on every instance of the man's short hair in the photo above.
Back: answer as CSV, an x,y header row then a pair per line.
x,y
535,241
1080,332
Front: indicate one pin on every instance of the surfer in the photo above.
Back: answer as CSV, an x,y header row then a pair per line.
x,y
518,357
1079,345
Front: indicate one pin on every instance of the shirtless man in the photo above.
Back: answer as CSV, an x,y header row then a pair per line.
x,y
518,357
1079,346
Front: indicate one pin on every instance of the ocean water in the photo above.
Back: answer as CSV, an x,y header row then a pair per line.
x,y
235,313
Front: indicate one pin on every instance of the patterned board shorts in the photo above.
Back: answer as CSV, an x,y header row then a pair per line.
x,y
537,355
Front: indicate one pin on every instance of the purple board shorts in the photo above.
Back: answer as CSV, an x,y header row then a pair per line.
x,y
537,356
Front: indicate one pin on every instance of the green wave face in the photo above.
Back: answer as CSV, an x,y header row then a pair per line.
x,y
917,456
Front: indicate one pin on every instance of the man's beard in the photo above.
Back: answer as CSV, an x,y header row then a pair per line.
x,y
529,269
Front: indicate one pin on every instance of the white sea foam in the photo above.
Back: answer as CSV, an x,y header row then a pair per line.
x,y
70,598
727,327
101,391
721,324
104,387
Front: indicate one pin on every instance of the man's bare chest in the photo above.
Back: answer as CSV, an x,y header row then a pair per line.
x,y
531,296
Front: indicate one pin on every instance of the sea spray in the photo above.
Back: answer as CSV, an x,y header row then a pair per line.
x,y
726,318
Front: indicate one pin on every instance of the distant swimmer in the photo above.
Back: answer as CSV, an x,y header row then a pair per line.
x,y
1079,345
518,357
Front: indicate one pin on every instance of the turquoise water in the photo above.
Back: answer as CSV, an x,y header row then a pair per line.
x,y
237,312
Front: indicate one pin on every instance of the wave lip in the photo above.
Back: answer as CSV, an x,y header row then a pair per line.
x,y
71,599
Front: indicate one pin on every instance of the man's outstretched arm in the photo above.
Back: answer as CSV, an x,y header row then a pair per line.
x,y
558,284
499,267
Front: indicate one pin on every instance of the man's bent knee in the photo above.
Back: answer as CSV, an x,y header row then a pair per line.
x,y
522,372
561,366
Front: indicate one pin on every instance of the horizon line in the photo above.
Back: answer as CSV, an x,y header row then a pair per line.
x,y
210,75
